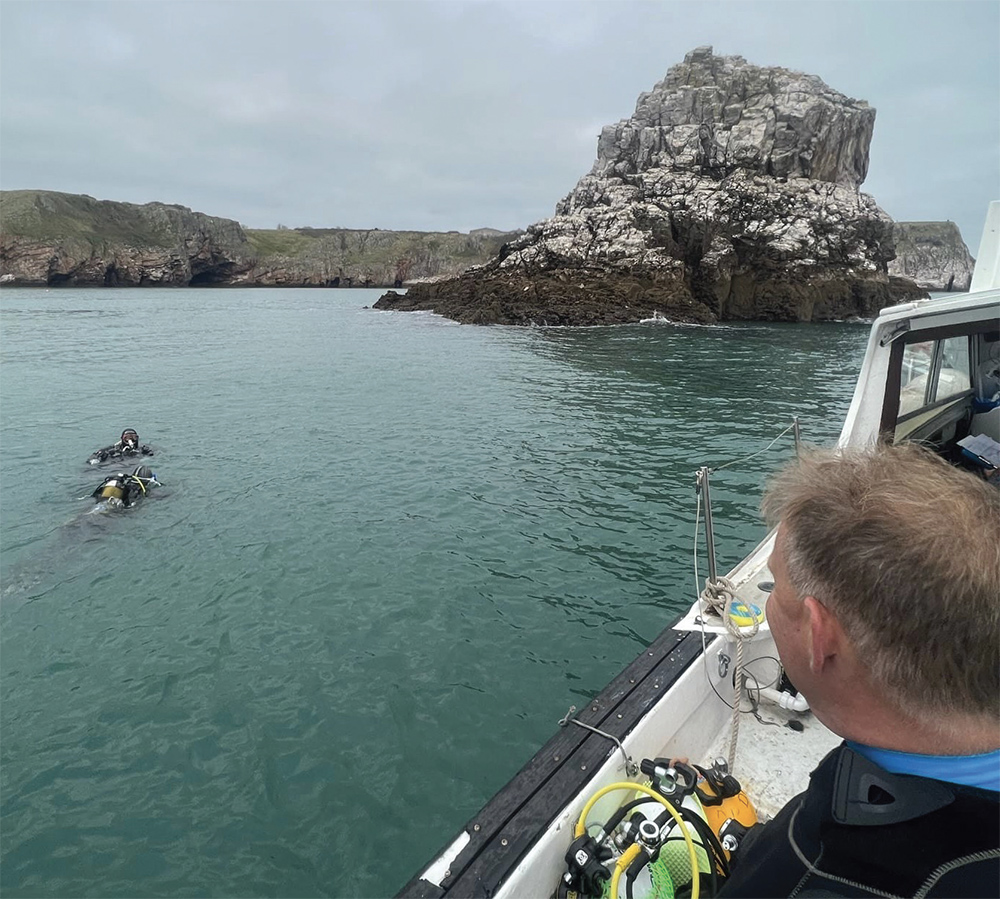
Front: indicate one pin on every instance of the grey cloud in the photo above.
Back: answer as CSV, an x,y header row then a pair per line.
x,y
454,115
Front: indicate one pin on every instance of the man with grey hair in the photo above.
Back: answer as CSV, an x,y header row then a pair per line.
x,y
886,614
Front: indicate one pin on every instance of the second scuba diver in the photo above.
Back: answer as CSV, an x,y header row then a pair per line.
x,y
119,491
127,445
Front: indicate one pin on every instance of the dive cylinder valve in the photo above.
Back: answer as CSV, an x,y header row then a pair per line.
x,y
668,777
649,835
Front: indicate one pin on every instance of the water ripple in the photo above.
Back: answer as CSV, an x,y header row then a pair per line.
x,y
390,552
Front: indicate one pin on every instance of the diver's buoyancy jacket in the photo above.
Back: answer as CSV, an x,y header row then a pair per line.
x,y
125,489
862,831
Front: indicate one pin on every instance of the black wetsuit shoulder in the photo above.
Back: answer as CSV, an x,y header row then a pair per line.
x,y
912,835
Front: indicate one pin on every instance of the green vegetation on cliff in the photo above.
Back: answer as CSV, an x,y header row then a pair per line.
x,y
372,255
47,216
56,238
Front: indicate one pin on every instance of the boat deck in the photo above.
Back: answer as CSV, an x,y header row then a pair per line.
x,y
773,763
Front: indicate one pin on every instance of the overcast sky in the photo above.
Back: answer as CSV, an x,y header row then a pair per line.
x,y
456,115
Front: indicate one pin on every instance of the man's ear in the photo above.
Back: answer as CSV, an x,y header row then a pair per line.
x,y
825,634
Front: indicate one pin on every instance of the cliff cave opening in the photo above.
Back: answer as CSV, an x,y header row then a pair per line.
x,y
220,274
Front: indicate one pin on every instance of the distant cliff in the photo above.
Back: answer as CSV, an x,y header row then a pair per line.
x,y
933,255
340,257
731,193
49,238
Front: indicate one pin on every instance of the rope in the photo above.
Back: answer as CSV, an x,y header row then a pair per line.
x,y
791,427
737,690
718,596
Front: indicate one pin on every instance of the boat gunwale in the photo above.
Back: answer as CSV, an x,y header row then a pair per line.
x,y
522,810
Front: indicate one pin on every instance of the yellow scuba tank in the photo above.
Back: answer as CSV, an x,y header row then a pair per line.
x,y
723,801
111,490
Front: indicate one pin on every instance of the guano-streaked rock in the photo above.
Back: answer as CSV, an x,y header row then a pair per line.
x,y
731,193
933,255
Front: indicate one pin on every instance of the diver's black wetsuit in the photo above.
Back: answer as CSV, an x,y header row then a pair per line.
x,y
862,831
119,451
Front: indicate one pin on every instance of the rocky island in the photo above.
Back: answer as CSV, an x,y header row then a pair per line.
x,y
731,193
933,255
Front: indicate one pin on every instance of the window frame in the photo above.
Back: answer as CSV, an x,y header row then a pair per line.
x,y
891,418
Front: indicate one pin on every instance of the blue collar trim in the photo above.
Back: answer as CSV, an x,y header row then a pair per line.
x,y
969,770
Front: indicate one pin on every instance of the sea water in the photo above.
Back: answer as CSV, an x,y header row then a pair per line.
x,y
389,552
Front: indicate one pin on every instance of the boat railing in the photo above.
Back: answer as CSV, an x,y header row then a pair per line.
x,y
739,619
703,489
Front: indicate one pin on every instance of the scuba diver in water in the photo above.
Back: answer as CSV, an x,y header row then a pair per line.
x,y
127,445
119,491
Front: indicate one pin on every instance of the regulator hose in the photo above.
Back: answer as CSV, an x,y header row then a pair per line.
x,y
626,859
581,829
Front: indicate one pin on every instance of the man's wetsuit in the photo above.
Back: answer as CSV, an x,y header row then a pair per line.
x,y
860,830
119,451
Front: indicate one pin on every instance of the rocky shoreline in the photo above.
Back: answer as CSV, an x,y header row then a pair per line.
x,y
54,239
731,193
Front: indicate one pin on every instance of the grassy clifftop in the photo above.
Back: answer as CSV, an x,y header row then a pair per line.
x,y
55,238
48,216
371,256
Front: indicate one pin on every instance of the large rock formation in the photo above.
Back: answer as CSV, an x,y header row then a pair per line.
x,y
731,193
51,239
933,255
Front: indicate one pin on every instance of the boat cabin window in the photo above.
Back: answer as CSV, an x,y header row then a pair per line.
x,y
953,374
948,388
915,377
933,371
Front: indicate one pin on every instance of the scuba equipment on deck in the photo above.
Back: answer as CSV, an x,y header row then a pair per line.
x,y
727,808
585,860
674,837
640,847
679,781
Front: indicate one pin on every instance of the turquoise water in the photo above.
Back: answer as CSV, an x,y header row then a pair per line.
x,y
389,553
